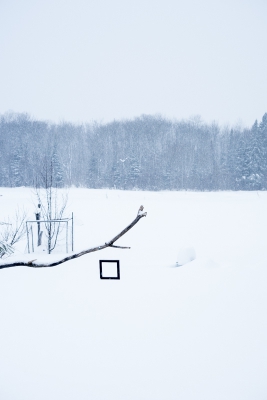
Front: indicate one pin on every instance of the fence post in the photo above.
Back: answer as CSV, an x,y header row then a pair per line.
x,y
28,242
72,247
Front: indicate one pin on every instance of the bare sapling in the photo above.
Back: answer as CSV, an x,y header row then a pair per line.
x,y
52,205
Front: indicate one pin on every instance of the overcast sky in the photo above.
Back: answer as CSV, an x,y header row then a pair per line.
x,y
84,60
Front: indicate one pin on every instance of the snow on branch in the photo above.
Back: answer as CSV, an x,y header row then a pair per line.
x,y
40,264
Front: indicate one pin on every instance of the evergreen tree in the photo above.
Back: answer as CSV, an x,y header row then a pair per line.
x,y
57,169
116,177
167,178
15,167
224,182
243,170
255,159
231,166
4,176
134,172
92,176
262,130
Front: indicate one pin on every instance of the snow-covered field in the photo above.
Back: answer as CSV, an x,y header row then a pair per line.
x,y
161,332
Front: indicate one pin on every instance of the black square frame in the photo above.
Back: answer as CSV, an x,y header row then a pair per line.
x,y
109,261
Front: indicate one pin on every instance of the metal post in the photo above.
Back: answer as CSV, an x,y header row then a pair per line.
x,y
72,232
38,229
32,240
28,237
67,239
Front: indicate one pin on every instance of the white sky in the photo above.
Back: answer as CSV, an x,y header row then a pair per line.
x,y
84,60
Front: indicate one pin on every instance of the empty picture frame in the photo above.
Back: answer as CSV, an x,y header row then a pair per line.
x,y
109,269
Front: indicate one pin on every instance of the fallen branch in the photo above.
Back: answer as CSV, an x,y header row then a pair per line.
x,y
35,264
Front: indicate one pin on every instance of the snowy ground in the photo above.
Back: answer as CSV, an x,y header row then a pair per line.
x,y
196,332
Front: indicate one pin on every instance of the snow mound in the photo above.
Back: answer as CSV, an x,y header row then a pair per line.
x,y
185,255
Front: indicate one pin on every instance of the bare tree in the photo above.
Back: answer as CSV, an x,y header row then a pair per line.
x,y
52,205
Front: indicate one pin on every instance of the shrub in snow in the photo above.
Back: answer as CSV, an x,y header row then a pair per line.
x,y
5,250
185,255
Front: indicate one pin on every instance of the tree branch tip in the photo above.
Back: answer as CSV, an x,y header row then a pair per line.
x,y
141,213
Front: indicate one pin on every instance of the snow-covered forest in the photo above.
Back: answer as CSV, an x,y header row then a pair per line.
x,y
147,153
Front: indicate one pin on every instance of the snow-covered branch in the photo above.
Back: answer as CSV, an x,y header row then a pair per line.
x,y
40,264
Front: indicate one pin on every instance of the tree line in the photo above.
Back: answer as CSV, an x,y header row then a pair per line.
x,y
145,153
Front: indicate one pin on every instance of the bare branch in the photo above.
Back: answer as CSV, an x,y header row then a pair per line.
x,y
118,247
19,228
36,264
14,231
